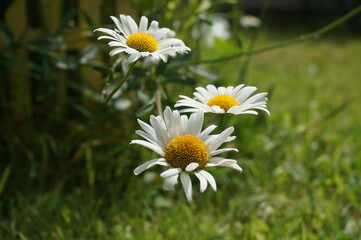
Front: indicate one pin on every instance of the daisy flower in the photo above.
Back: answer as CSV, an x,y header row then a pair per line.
x,y
184,149
154,42
233,100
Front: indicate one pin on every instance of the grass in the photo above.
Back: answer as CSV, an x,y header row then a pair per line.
x,y
301,166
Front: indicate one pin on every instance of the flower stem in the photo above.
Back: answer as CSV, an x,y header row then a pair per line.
x,y
125,78
159,99
221,122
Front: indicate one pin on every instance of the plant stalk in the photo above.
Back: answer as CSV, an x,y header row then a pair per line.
x,y
125,78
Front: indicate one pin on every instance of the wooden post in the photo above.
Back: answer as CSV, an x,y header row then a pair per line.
x,y
18,81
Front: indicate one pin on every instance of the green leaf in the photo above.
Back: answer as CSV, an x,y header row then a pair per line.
x,y
6,33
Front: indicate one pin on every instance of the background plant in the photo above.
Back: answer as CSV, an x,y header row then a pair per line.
x,y
66,164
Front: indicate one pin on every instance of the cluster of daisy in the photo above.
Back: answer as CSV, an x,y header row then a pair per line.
x,y
183,145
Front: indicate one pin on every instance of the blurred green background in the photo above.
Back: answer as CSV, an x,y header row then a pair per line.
x,y
66,166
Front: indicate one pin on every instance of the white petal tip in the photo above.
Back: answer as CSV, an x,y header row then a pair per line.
x,y
192,166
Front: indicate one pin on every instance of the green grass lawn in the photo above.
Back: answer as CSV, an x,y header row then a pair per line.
x,y
301,177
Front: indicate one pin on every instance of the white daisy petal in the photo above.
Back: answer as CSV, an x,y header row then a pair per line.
x,y
192,103
131,51
117,22
143,24
212,89
188,110
183,124
237,110
236,89
116,51
125,25
170,42
217,109
266,110
147,128
230,139
151,163
149,138
160,131
195,123
107,31
159,55
117,44
221,90
219,139
219,161
244,93
204,135
170,172
172,120
149,145
257,99
108,38
209,178
200,97
202,181
223,161
187,185
234,166
170,182
134,57
158,35
145,54
226,164
229,91
206,94
192,166
132,25
153,28
222,150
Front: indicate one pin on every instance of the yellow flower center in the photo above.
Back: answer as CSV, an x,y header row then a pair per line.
x,y
223,101
185,149
142,42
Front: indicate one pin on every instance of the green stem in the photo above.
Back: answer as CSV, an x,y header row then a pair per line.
x,y
221,122
158,100
125,78
303,38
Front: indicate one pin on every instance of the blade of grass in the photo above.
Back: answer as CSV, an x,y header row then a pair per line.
x,y
4,178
